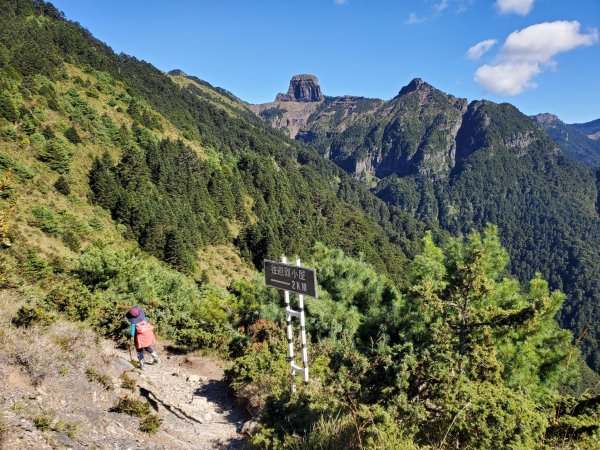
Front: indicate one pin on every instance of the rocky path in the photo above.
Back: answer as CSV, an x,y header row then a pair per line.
x,y
189,394
40,380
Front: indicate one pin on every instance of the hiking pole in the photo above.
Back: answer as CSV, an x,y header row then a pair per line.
x,y
130,345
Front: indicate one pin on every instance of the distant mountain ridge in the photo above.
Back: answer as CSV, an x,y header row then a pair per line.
x,y
458,165
590,129
579,141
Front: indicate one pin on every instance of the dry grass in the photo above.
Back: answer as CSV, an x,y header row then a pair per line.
x,y
3,429
217,99
94,374
222,265
40,352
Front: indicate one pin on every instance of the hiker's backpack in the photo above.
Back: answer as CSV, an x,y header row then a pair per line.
x,y
144,334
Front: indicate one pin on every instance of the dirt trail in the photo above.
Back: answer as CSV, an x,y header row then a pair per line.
x,y
189,394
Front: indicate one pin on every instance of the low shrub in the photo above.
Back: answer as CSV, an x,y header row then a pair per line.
x,y
150,424
94,375
46,220
139,408
47,422
42,422
72,135
132,406
3,429
34,267
30,315
128,383
21,170
71,240
62,185
72,299
8,133
69,428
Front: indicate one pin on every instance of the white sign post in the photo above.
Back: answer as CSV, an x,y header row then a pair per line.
x,y
293,279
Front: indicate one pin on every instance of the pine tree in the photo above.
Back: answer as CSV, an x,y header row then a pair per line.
x,y
62,185
472,351
72,135
56,155
8,108
103,182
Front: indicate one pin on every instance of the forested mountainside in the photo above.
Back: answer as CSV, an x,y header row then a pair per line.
x,y
459,166
241,170
590,129
123,185
579,141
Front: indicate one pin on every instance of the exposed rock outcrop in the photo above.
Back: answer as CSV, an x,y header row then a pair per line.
x,y
546,118
415,85
290,112
303,88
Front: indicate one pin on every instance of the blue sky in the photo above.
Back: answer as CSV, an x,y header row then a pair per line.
x,y
540,55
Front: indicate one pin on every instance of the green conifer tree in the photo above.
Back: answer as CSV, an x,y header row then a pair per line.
x,y
8,107
473,352
56,155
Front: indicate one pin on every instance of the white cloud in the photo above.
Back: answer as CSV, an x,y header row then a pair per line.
x,y
507,78
413,19
527,53
479,49
340,2
521,7
543,41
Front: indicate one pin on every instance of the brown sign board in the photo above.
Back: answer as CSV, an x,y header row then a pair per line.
x,y
286,277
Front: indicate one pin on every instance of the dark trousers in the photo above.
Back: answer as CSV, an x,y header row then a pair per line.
x,y
140,352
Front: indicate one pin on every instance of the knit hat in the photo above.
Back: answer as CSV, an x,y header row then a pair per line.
x,y
136,315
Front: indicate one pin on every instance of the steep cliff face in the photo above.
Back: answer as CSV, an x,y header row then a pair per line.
x,y
303,88
421,132
414,133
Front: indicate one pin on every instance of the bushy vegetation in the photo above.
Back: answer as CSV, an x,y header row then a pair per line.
x,y
463,357
48,421
3,428
127,382
133,407
150,424
42,422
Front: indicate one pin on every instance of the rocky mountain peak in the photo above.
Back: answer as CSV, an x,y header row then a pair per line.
x,y
416,84
546,118
303,88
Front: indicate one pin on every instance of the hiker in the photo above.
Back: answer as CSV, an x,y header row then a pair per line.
x,y
143,333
